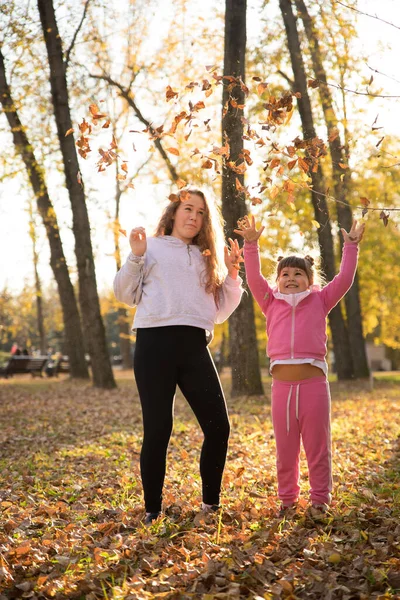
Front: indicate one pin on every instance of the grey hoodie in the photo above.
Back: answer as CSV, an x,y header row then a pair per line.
x,y
166,285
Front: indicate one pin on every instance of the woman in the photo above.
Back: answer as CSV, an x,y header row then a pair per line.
x,y
178,282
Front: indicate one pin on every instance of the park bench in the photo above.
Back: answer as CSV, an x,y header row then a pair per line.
x,y
24,364
58,365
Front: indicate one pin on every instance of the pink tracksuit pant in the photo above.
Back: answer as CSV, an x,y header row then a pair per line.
x,y
301,409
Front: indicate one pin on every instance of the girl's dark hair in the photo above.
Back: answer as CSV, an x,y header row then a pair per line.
x,y
297,262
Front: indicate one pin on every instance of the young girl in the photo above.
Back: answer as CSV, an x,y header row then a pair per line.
x,y
296,312
179,284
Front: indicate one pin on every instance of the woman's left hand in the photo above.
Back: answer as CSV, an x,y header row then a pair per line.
x,y
233,258
354,236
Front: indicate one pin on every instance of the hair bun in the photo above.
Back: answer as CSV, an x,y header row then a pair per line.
x,y
279,258
309,259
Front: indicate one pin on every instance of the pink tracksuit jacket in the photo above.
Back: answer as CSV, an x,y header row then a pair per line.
x,y
300,409
298,331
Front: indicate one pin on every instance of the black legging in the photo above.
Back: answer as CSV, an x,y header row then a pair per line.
x,y
164,358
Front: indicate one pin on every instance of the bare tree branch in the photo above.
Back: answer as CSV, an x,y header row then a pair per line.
x,y
68,53
339,87
383,74
130,100
286,77
366,14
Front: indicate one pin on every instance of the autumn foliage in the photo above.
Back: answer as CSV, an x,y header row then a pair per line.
x,y
71,504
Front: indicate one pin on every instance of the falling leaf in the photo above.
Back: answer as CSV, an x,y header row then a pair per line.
x,y
123,232
303,164
343,166
364,201
173,198
315,223
181,183
206,252
199,106
275,162
174,151
385,218
207,164
261,88
69,131
238,185
169,93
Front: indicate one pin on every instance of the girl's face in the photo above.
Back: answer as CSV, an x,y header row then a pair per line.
x,y
188,219
292,280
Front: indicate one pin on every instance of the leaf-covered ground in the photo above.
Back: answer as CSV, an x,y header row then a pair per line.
x,y
71,510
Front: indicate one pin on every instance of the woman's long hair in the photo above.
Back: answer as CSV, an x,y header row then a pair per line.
x,y
210,238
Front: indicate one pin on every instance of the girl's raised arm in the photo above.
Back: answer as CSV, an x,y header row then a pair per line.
x,y
258,285
340,285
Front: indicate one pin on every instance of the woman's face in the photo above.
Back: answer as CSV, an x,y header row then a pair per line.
x,y
188,219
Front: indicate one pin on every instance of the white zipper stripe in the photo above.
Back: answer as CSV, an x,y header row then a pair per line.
x,y
292,332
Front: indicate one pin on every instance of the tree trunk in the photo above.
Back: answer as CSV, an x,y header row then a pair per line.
x,y
246,375
71,318
340,340
94,330
341,184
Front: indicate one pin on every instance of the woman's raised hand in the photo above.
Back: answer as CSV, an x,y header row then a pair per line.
x,y
137,240
355,234
233,257
247,229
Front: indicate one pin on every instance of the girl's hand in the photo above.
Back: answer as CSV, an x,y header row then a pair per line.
x,y
233,258
137,240
355,234
247,229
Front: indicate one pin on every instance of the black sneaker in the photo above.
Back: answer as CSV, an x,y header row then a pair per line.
x,y
150,517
